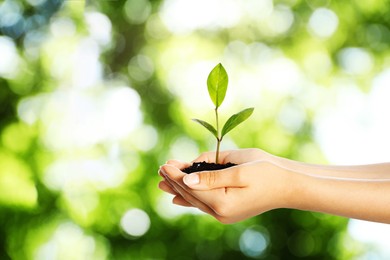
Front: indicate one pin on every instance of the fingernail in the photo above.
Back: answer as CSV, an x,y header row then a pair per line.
x,y
191,179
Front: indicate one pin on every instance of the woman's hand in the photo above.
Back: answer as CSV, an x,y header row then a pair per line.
x,y
254,186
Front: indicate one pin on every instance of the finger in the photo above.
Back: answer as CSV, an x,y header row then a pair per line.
x,y
160,172
175,178
171,184
207,201
193,201
175,163
166,179
172,172
208,157
165,186
178,200
178,164
208,180
181,192
174,175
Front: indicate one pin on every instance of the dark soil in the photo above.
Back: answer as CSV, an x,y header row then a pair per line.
x,y
204,166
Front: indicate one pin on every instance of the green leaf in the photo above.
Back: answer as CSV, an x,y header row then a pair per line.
x,y
217,83
207,126
235,120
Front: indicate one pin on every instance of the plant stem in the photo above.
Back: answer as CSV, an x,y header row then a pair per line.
x,y
219,139
217,153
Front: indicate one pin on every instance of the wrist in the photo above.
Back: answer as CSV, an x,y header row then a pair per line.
x,y
281,184
293,187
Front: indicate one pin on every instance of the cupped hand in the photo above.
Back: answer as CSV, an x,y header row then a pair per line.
x,y
232,194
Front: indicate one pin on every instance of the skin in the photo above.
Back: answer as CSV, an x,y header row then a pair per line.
x,y
262,182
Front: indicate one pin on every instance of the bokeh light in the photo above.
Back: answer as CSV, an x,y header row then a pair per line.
x,y
253,243
137,11
182,16
323,22
83,245
356,61
135,222
10,13
9,61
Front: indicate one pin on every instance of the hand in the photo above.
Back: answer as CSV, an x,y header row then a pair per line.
x,y
232,194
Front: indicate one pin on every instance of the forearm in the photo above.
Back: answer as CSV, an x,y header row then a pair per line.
x,y
360,199
369,171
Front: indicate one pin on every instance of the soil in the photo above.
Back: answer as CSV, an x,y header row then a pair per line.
x,y
204,166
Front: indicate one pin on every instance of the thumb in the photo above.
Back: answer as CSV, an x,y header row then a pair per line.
x,y
207,180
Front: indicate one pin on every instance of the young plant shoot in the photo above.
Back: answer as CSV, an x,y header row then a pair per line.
x,y
217,83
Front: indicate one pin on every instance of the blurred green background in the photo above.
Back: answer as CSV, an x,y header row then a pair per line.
x,y
96,95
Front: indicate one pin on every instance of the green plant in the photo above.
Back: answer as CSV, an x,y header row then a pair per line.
x,y
217,83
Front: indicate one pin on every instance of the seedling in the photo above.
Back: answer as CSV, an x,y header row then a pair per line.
x,y
217,83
